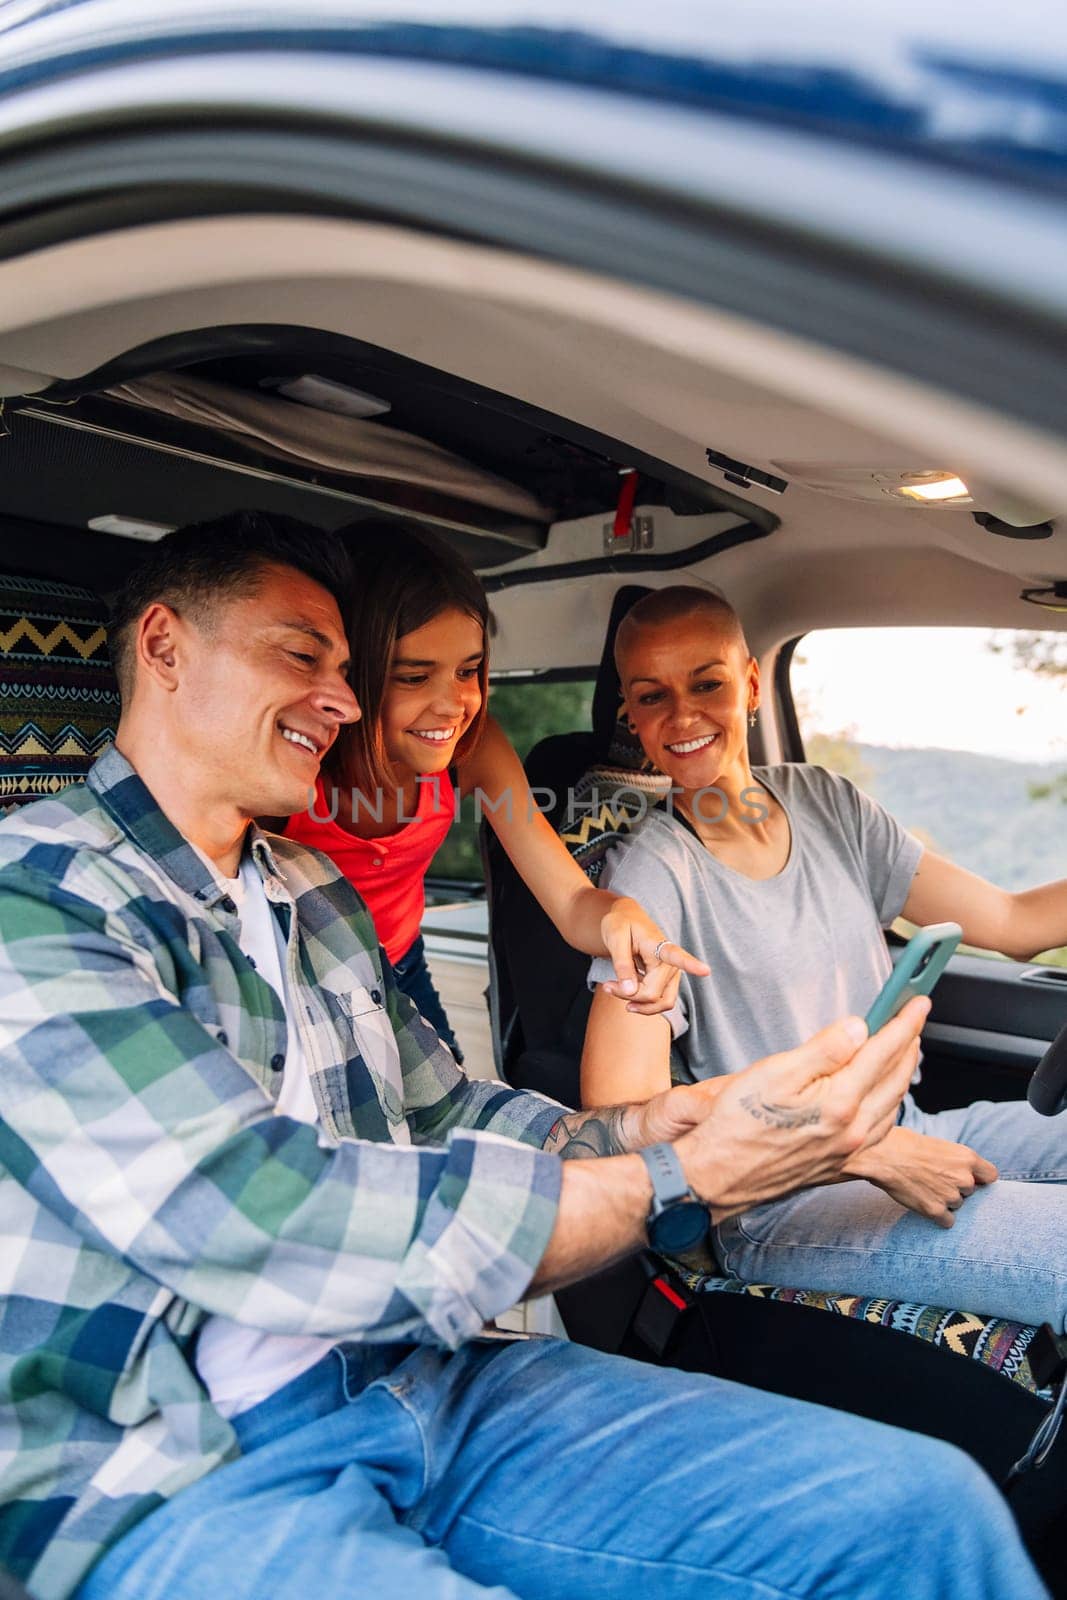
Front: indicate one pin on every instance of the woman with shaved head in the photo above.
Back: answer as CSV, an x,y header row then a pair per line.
x,y
783,879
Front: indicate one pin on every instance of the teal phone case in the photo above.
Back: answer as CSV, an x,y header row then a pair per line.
x,y
926,955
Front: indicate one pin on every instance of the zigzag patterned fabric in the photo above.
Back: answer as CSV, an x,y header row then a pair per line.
x,y
606,804
992,1341
59,702
610,799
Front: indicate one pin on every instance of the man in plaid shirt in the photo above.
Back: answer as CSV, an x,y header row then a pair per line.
x,y
255,1218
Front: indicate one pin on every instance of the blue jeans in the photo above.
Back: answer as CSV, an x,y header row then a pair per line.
x,y
1005,1256
413,976
545,1470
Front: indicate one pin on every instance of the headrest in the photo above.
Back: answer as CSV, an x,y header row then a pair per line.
x,y
605,805
620,784
59,700
614,745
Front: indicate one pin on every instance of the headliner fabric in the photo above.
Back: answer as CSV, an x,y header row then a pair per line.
x,y
296,432
59,701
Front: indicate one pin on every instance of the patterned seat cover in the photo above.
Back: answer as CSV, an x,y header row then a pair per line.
x,y
994,1342
610,798
59,701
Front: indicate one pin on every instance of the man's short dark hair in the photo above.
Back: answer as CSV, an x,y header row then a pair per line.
x,y
195,567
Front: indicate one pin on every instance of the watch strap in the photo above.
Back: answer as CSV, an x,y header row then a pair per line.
x,y
669,1182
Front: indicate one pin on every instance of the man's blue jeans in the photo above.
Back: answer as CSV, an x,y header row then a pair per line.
x,y
545,1470
1006,1255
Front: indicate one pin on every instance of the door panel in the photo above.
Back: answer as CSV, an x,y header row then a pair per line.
x,y
991,1023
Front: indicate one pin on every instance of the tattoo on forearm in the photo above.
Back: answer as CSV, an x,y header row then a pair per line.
x,y
779,1116
589,1133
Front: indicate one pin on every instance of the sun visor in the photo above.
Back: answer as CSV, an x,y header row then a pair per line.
x,y
338,444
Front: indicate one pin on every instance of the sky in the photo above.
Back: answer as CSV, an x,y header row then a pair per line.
x,y
930,687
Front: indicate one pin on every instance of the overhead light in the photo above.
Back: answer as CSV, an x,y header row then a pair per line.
x,y
927,488
857,480
323,394
933,488
130,527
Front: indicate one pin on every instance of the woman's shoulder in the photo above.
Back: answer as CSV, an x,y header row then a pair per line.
x,y
833,804
801,783
656,846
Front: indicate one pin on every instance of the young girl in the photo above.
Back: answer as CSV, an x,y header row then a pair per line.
x,y
385,799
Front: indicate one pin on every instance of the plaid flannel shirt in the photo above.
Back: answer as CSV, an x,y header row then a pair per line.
x,y
147,1183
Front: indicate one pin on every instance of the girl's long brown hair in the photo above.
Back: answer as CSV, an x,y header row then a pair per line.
x,y
404,576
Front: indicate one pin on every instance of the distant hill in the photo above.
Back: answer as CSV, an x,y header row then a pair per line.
x,y
976,809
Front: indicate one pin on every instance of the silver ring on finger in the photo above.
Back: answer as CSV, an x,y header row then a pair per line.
x,y
657,952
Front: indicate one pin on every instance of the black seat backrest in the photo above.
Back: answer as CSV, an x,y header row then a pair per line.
x,y
602,784
59,701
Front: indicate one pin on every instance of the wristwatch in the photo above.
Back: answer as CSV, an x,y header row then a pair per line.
x,y
678,1219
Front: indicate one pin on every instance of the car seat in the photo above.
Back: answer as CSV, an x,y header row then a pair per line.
x,y
59,708
980,1382
59,701
596,786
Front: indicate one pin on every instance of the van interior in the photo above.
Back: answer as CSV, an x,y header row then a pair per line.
x,y
570,432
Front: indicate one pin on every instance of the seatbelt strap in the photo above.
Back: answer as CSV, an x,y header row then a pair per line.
x,y
624,511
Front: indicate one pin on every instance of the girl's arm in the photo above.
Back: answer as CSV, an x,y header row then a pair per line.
x,y
1017,925
593,920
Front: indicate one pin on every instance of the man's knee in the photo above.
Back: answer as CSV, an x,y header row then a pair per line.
x,y
938,1492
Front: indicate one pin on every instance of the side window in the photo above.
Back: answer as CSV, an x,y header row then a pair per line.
x,y
528,710
960,732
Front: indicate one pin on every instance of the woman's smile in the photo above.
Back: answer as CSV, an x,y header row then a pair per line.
x,y
692,747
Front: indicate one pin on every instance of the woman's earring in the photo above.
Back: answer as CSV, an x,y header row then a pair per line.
x,y
752,717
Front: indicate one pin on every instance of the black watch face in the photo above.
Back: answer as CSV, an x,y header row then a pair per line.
x,y
679,1227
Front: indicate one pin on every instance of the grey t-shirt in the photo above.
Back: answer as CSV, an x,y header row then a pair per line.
x,y
788,954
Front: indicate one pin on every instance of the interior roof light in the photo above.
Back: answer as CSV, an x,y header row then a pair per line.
x,y
935,490
130,527
326,394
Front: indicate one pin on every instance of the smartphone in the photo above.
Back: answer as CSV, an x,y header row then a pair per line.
x,y
924,959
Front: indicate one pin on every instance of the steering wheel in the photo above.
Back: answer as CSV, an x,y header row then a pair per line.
x,y
1048,1086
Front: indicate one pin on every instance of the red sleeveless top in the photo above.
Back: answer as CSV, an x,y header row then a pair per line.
x,y
390,872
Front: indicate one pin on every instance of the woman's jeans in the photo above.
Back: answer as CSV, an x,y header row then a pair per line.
x,y
413,976
548,1471
1005,1255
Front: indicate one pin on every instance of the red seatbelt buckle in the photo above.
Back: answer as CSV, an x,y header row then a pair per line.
x,y
664,1303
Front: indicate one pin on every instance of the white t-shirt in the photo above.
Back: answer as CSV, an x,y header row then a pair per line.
x,y
263,942
241,1366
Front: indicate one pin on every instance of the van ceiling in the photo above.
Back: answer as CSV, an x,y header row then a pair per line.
x,y
93,446
63,466
537,372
